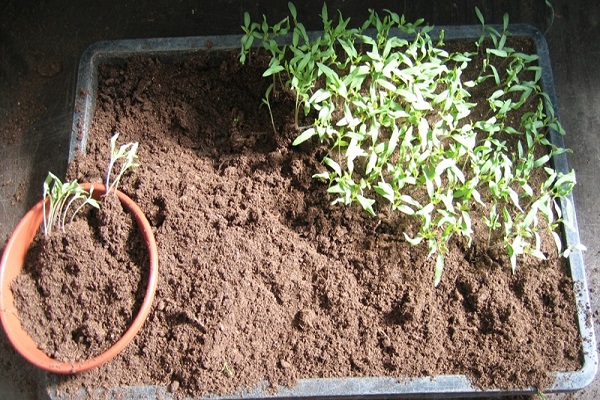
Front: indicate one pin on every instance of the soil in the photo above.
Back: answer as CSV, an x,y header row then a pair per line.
x,y
261,278
86,284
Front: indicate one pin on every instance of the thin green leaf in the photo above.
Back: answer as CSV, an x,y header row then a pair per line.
x,y
367,204
304,136
292,9
439,269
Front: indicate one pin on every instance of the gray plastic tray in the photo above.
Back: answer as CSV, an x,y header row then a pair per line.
x,y
441,386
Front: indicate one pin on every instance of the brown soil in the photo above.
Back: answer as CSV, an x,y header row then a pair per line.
x,y
261,278
86,284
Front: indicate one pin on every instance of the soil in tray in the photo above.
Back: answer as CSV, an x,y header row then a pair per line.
x,y
261,278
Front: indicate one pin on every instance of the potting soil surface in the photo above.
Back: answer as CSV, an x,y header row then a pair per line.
x,y
82,287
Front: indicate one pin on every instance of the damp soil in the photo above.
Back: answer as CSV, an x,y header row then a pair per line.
x,y
81,288
263,279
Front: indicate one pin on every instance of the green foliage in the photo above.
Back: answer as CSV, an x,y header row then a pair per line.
x,y
540,394
61,198
395,111
127,153
551,8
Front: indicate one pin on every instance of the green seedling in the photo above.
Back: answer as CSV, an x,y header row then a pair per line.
x,y
127,153
66,200
61,198
395,111
540,394
227,370
266,101
551,8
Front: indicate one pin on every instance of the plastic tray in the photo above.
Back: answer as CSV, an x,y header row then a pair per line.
x,y
441,386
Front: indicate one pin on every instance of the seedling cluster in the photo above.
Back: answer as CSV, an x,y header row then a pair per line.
x,y
66,200
61,197
394,108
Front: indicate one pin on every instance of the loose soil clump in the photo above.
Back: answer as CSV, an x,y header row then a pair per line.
x,y
261,278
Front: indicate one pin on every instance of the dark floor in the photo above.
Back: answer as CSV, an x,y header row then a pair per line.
x,y
42,40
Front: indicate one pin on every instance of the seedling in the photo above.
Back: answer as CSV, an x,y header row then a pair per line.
x,y
61,198
540,394
127,153
394,109
551,8
228,370
267,102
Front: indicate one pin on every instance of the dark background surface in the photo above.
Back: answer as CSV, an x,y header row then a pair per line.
x,y
41,42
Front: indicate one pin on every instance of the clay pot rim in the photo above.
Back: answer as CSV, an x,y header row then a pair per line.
x,y
12,264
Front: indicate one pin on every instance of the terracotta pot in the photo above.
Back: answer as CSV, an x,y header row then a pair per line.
x,y
12,263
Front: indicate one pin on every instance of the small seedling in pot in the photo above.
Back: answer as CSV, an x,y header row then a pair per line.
x,y
127,153
62,197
